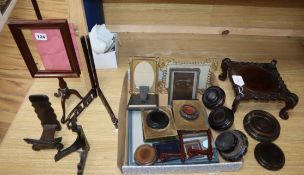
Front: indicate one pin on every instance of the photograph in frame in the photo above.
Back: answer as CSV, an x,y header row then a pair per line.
x,y
183,84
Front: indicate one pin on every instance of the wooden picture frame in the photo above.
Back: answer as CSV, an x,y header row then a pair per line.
x,y
16,28
183,84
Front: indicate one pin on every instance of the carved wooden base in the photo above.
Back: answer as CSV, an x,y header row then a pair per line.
x,y
262,81
49,122
47,140
80,143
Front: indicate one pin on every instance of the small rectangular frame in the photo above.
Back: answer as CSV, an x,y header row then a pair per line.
x,y
61,24
189,125
159,134
194,79
206,66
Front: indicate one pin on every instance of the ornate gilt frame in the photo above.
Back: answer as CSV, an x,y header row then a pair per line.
x,y
163,63
134,61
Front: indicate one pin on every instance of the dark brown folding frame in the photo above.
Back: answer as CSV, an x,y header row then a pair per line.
x,y
191,152
61,24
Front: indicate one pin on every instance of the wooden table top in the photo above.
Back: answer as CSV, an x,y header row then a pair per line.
x,y
17,157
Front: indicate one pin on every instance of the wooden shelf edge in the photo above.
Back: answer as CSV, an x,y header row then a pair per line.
x,y
256,3
205,30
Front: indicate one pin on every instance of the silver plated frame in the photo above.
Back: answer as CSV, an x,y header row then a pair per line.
x,y
172,76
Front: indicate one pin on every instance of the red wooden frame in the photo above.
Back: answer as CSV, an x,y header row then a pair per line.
x,y
61,24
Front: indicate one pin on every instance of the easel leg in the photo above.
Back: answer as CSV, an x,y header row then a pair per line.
x,y
108,107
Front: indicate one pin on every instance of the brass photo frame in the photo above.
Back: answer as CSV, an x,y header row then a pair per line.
x,y
154,134
16,28
144,61
189,125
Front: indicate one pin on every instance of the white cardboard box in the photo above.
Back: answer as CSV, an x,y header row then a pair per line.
x,y
107,60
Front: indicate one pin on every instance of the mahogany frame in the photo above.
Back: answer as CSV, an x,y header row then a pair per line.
x,y
191,152
16,27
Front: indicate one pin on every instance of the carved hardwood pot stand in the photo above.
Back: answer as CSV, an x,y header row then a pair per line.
x,y
258,81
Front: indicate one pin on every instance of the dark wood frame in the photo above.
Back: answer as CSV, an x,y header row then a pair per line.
x,y
191,152
282,94
37,9
61,24
194,152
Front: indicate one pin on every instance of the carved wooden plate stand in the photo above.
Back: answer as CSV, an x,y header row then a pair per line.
x,y
259,81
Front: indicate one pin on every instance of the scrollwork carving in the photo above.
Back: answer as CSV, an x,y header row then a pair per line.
x,y
262,82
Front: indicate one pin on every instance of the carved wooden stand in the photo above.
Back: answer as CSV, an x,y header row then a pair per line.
x,y
262,82
92,94
80,143
64,92
49,122
47,140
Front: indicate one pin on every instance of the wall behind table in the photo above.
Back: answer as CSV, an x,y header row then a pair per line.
x,y
265,18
